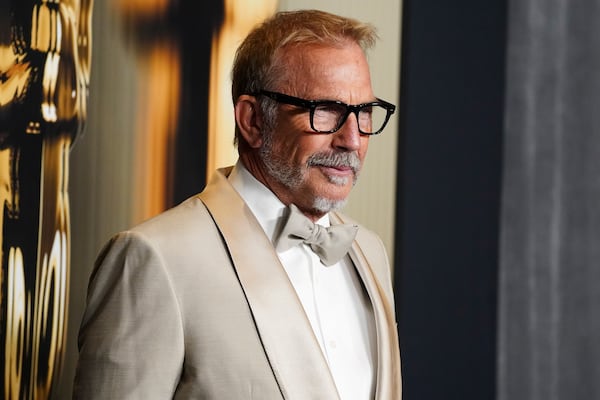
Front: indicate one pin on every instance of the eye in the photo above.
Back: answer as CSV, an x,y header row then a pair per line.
x,y
366,110
330,111
365,115
327,116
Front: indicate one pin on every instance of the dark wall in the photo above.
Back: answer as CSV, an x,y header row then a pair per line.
x,y
196,31
452,93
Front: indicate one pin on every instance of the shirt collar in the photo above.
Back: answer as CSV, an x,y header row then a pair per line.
x,y
263,203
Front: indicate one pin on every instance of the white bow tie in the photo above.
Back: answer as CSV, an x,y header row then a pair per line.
x,y
329,243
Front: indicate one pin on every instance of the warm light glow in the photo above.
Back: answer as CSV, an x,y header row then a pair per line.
x,y
143,8
15,324
156,128
16,75
49,85
240,17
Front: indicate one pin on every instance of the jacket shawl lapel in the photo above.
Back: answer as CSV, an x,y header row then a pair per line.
x,y
389,384
285,331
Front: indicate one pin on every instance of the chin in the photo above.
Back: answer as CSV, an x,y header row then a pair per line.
x,y
325,205
341,180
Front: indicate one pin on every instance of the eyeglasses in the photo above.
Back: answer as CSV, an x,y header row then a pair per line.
x,y
328,116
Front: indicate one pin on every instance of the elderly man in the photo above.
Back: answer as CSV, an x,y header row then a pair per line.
x,y
257,288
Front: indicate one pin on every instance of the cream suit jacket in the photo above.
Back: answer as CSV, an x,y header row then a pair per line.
x,y
195,304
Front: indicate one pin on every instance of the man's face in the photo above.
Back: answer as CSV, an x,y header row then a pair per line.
x,y
313,170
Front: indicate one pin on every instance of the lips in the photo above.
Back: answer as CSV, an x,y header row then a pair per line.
x,y
345,169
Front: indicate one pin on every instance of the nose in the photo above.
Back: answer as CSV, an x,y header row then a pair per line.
x,y
348,137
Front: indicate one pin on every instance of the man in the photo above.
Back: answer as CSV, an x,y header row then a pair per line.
x,y
210,299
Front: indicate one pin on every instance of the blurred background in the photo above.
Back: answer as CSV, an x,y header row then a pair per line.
x,y
484,187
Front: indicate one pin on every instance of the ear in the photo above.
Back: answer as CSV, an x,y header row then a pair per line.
x,y
249,120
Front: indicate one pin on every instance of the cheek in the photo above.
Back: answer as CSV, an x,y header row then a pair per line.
x,y
285,148
297,148
364,146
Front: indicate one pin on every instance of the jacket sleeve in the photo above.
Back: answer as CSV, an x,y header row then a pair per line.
x,y
131,326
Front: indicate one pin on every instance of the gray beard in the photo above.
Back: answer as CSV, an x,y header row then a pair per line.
x,y
292,178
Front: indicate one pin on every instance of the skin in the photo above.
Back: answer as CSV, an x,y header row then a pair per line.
x,y
312,72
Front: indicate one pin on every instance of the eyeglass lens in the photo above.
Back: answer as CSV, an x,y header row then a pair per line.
x,y
329,117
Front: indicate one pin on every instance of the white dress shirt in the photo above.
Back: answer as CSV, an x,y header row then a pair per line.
x,y
333,297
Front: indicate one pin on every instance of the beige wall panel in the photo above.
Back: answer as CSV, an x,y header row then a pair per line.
x,y
101,183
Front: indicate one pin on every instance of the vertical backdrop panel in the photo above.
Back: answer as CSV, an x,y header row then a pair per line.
x,y
549,293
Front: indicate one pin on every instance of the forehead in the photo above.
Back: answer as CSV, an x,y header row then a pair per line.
x,y
325,71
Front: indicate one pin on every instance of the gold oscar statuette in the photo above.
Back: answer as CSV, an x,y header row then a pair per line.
x,y
45,52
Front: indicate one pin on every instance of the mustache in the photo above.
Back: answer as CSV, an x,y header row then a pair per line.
x,y
348,160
